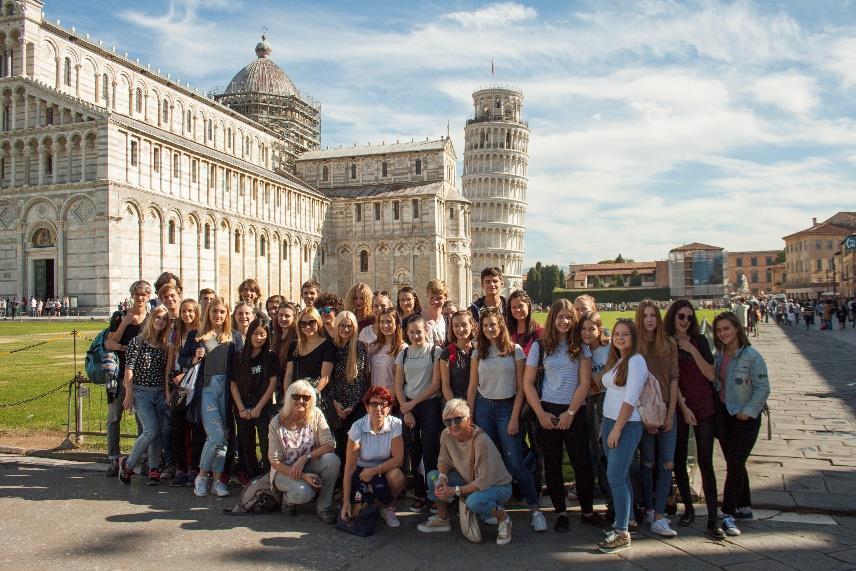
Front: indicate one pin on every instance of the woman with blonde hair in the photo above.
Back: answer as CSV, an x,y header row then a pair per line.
x,y
658,443
312,357
188,320
621,431
145,368
215,346
301,453
350,378
358,301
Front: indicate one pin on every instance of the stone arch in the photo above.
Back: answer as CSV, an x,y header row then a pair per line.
x,y
78,209
39,208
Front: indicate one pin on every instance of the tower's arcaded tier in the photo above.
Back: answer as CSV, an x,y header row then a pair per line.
x,y
495,178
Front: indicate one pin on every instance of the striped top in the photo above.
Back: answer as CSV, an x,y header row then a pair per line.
x,y
561,372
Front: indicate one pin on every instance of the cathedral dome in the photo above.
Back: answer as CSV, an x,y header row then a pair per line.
x,y
262,76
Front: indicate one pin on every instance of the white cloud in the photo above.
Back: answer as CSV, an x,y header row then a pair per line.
x,y
792,92
492,15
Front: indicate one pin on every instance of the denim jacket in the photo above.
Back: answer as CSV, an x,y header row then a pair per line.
x,y
747,385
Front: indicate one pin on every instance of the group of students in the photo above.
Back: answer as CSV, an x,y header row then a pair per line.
x,y
361,393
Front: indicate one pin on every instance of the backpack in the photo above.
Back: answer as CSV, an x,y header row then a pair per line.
x,y
259,497
100,363
651,407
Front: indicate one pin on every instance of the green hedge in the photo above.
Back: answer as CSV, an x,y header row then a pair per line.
x,y
616,294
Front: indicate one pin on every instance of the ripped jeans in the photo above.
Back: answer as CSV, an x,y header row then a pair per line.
x,y
213,457
658,459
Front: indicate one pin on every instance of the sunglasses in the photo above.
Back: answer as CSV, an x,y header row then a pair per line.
x,y
377,405
309,324
684,317
456,420
488,310
303,398
325,310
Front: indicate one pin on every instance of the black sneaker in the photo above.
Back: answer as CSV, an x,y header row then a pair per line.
x,y
614,542
154,477
593,519
715,532
562,523
112,468
125,473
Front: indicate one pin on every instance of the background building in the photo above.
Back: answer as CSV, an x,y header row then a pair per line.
x,y
113,172
496,160
697,271
756,266
397,217
809,255
627,274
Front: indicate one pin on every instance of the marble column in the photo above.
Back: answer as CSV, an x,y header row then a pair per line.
x,y
41,151
82,159
77,80
38,105
13,180
13,120
23,48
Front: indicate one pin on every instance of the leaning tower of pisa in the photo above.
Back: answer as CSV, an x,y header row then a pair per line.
x,y
495,169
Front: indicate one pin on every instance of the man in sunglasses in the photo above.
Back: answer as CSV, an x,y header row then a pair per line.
x,y
470,469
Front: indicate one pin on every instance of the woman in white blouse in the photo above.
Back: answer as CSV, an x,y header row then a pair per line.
x,y
621,431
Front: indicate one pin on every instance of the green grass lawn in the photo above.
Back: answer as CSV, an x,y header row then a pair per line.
x,y
33,371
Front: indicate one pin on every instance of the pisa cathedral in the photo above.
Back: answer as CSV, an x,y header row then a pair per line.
x,y
111,171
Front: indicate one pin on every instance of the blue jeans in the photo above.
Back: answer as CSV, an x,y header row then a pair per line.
x,y
658,449
618,462
213,457
492,416
147,404
482,502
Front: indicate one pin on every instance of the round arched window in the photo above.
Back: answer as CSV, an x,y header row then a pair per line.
x,y
43,238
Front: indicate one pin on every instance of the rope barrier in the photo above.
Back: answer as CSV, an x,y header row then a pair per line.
x,y
54,340
37,397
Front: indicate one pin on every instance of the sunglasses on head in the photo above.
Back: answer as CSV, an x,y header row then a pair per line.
x,y
456,420
488,310
303,398
684,317
326,310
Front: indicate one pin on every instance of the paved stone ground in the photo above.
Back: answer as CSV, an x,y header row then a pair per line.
x,y
810,461
66,514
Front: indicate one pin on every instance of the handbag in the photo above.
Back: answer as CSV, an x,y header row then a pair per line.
x,y
183,393
364,519
526,411
651,407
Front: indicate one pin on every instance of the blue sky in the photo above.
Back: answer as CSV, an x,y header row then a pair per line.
x,y
654,123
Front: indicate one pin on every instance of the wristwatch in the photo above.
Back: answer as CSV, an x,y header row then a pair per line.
x,y
309,457
570,411
458,491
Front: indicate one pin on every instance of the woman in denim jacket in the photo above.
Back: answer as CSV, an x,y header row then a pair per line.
x,y
743,386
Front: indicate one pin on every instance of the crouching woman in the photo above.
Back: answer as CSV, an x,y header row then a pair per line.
x,y
470,468
302,453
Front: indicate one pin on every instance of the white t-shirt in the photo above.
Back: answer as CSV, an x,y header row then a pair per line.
x,y
637,372
375,447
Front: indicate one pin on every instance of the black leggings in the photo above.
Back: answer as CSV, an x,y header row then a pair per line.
x,y
247,430
180,431
705,433
737,440
576,441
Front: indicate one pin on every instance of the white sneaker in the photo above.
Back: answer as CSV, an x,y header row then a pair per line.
x,y
200,486
661,527
389,517
490,520
434,524
220,489
503,534
729,526
539,522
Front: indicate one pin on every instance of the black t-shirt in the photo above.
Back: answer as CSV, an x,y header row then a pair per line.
x,y
459,369
264,366
130,332
309,366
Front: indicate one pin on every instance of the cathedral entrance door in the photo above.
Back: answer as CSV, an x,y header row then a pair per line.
x,y
43,278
